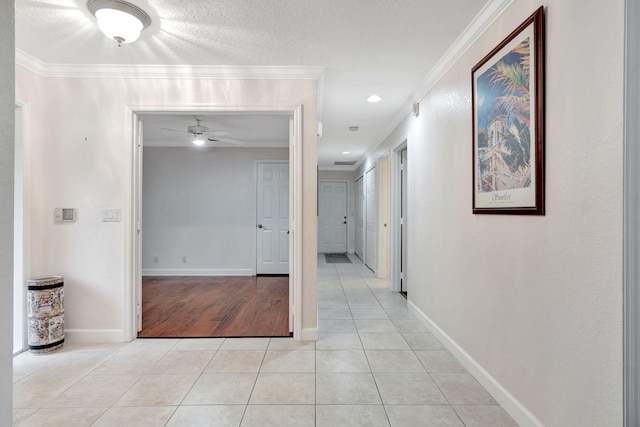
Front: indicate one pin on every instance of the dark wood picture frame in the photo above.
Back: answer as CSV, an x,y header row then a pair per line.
x,y
508,124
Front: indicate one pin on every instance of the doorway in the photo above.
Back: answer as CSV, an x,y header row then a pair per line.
x,y
192,261
332,216
398,221
404,286
631,329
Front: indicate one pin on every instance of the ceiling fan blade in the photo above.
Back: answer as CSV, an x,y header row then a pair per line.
x,y
167,138
218,133
231,141
172,130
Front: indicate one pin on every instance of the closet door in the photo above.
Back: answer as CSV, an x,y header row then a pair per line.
x,y
359,208
371,214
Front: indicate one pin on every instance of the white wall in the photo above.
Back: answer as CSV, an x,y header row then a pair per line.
x,y
535,302
349,176
7,106
88,150
200,202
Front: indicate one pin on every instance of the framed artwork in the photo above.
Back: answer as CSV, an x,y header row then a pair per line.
x,y
508,124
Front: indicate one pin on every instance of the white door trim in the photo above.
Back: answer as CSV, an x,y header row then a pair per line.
x,y
394,215
132,265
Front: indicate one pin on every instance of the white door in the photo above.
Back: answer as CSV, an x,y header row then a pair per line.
x,y
403,221
371,219
383,228
332,217
272,222
359,207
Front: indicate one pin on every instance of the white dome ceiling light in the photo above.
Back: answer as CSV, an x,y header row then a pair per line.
x,y
119,20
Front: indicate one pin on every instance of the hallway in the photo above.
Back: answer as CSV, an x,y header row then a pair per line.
x,y
374,365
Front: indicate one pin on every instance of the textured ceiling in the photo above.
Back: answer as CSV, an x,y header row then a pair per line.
x,y
366,46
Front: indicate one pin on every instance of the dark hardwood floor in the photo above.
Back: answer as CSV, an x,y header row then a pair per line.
x,y
181,307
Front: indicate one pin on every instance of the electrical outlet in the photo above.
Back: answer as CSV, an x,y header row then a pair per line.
x,y
184,259
155,259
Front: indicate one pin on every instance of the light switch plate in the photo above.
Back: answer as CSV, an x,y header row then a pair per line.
x,y
111,215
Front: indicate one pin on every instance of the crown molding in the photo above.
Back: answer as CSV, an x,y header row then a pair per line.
x,y
481,23
168,71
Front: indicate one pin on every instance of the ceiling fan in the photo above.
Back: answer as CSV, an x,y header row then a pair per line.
x,y
200,134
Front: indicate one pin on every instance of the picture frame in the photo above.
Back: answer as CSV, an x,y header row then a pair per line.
x,y
508,96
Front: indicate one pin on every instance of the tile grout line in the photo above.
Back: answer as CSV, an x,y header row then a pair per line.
x,y
375,382
246,406
195,382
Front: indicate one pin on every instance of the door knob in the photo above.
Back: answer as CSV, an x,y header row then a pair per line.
x,y
259,225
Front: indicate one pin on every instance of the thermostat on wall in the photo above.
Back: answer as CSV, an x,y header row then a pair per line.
x,y
64,214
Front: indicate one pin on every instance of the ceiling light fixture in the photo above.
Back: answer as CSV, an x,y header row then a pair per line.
x,y
198,140
374,98
346,152
119,20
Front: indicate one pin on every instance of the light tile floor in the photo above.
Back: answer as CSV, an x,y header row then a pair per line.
x,y
374,365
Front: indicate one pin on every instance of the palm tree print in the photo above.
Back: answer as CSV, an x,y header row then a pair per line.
x,y
504,143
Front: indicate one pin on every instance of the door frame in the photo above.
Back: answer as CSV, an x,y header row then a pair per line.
x,y
22,153
631,233
394,214
346,182
133,266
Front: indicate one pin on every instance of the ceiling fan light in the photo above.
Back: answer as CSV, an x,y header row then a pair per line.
x,y
199,140
119,20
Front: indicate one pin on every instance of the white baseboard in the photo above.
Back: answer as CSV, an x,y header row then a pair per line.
x,y
198,272
309,334
94,335
510,404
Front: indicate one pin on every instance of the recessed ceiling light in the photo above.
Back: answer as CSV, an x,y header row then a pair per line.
x,y
346,152
374,98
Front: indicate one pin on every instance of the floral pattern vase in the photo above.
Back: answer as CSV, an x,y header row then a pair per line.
x,y
45,313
